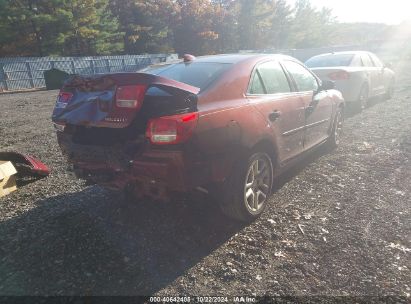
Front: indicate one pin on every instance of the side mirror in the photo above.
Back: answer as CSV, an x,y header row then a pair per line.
x,y
326,85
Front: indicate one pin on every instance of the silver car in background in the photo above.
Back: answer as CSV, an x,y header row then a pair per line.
x,y
358,75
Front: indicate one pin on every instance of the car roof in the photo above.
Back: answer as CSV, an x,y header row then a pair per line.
x,y
236,58
251,58
343,53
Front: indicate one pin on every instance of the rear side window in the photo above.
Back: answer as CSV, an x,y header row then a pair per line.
x,y
256,86
304,80
269,78
197,74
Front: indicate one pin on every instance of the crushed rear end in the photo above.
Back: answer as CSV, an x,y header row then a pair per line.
x,y
115,131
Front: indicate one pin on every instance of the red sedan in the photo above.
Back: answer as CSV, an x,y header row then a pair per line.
x,y
226,123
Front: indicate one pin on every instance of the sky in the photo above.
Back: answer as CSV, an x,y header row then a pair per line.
x,y
382,11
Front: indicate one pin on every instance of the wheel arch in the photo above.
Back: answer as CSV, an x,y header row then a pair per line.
x,y
338,105
266,145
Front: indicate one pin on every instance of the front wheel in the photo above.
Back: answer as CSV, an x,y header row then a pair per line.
x,y
246,192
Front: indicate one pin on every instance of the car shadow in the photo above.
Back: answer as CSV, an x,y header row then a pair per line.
x,y
94,243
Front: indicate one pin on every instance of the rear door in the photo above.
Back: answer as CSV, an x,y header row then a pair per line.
x,y
317,105
271,93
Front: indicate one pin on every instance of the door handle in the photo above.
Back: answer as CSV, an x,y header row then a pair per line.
x,y
309,109
274,115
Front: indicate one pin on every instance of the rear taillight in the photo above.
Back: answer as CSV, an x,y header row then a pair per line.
x,y
339,75
173,129
130,96
63,99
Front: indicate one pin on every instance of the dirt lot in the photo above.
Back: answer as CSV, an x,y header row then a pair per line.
x,y
339,224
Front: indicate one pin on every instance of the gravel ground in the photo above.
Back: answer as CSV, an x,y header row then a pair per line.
x,y
339,223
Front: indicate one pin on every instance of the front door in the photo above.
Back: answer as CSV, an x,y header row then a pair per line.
x,y
317,104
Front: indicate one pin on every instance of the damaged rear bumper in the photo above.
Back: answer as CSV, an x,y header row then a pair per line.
x,y
149,172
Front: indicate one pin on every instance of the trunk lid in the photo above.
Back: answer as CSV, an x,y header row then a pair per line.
x,y
325,72
91,101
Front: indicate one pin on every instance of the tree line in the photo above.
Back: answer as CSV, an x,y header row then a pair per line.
x,y
100,27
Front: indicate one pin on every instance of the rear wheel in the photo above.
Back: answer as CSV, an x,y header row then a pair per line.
x,y
246,192
363,98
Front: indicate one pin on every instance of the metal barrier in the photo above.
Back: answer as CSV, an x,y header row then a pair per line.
x,y
27,73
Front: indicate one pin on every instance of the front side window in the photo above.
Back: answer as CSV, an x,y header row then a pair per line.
x,y
367,60
357,61
304,80
376,61
269,78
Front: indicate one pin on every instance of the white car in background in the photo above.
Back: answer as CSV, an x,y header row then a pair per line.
x,y
358,75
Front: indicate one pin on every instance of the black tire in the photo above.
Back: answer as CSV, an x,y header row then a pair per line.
x,y
363,97
334,139
233,199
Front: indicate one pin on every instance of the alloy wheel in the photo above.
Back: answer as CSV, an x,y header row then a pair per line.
x,y
257,184
338,128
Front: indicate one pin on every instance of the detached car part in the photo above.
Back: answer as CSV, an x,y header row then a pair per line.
x,y
26,165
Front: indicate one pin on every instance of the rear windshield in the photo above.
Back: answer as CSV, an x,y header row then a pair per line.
x,y
329,61
197,74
